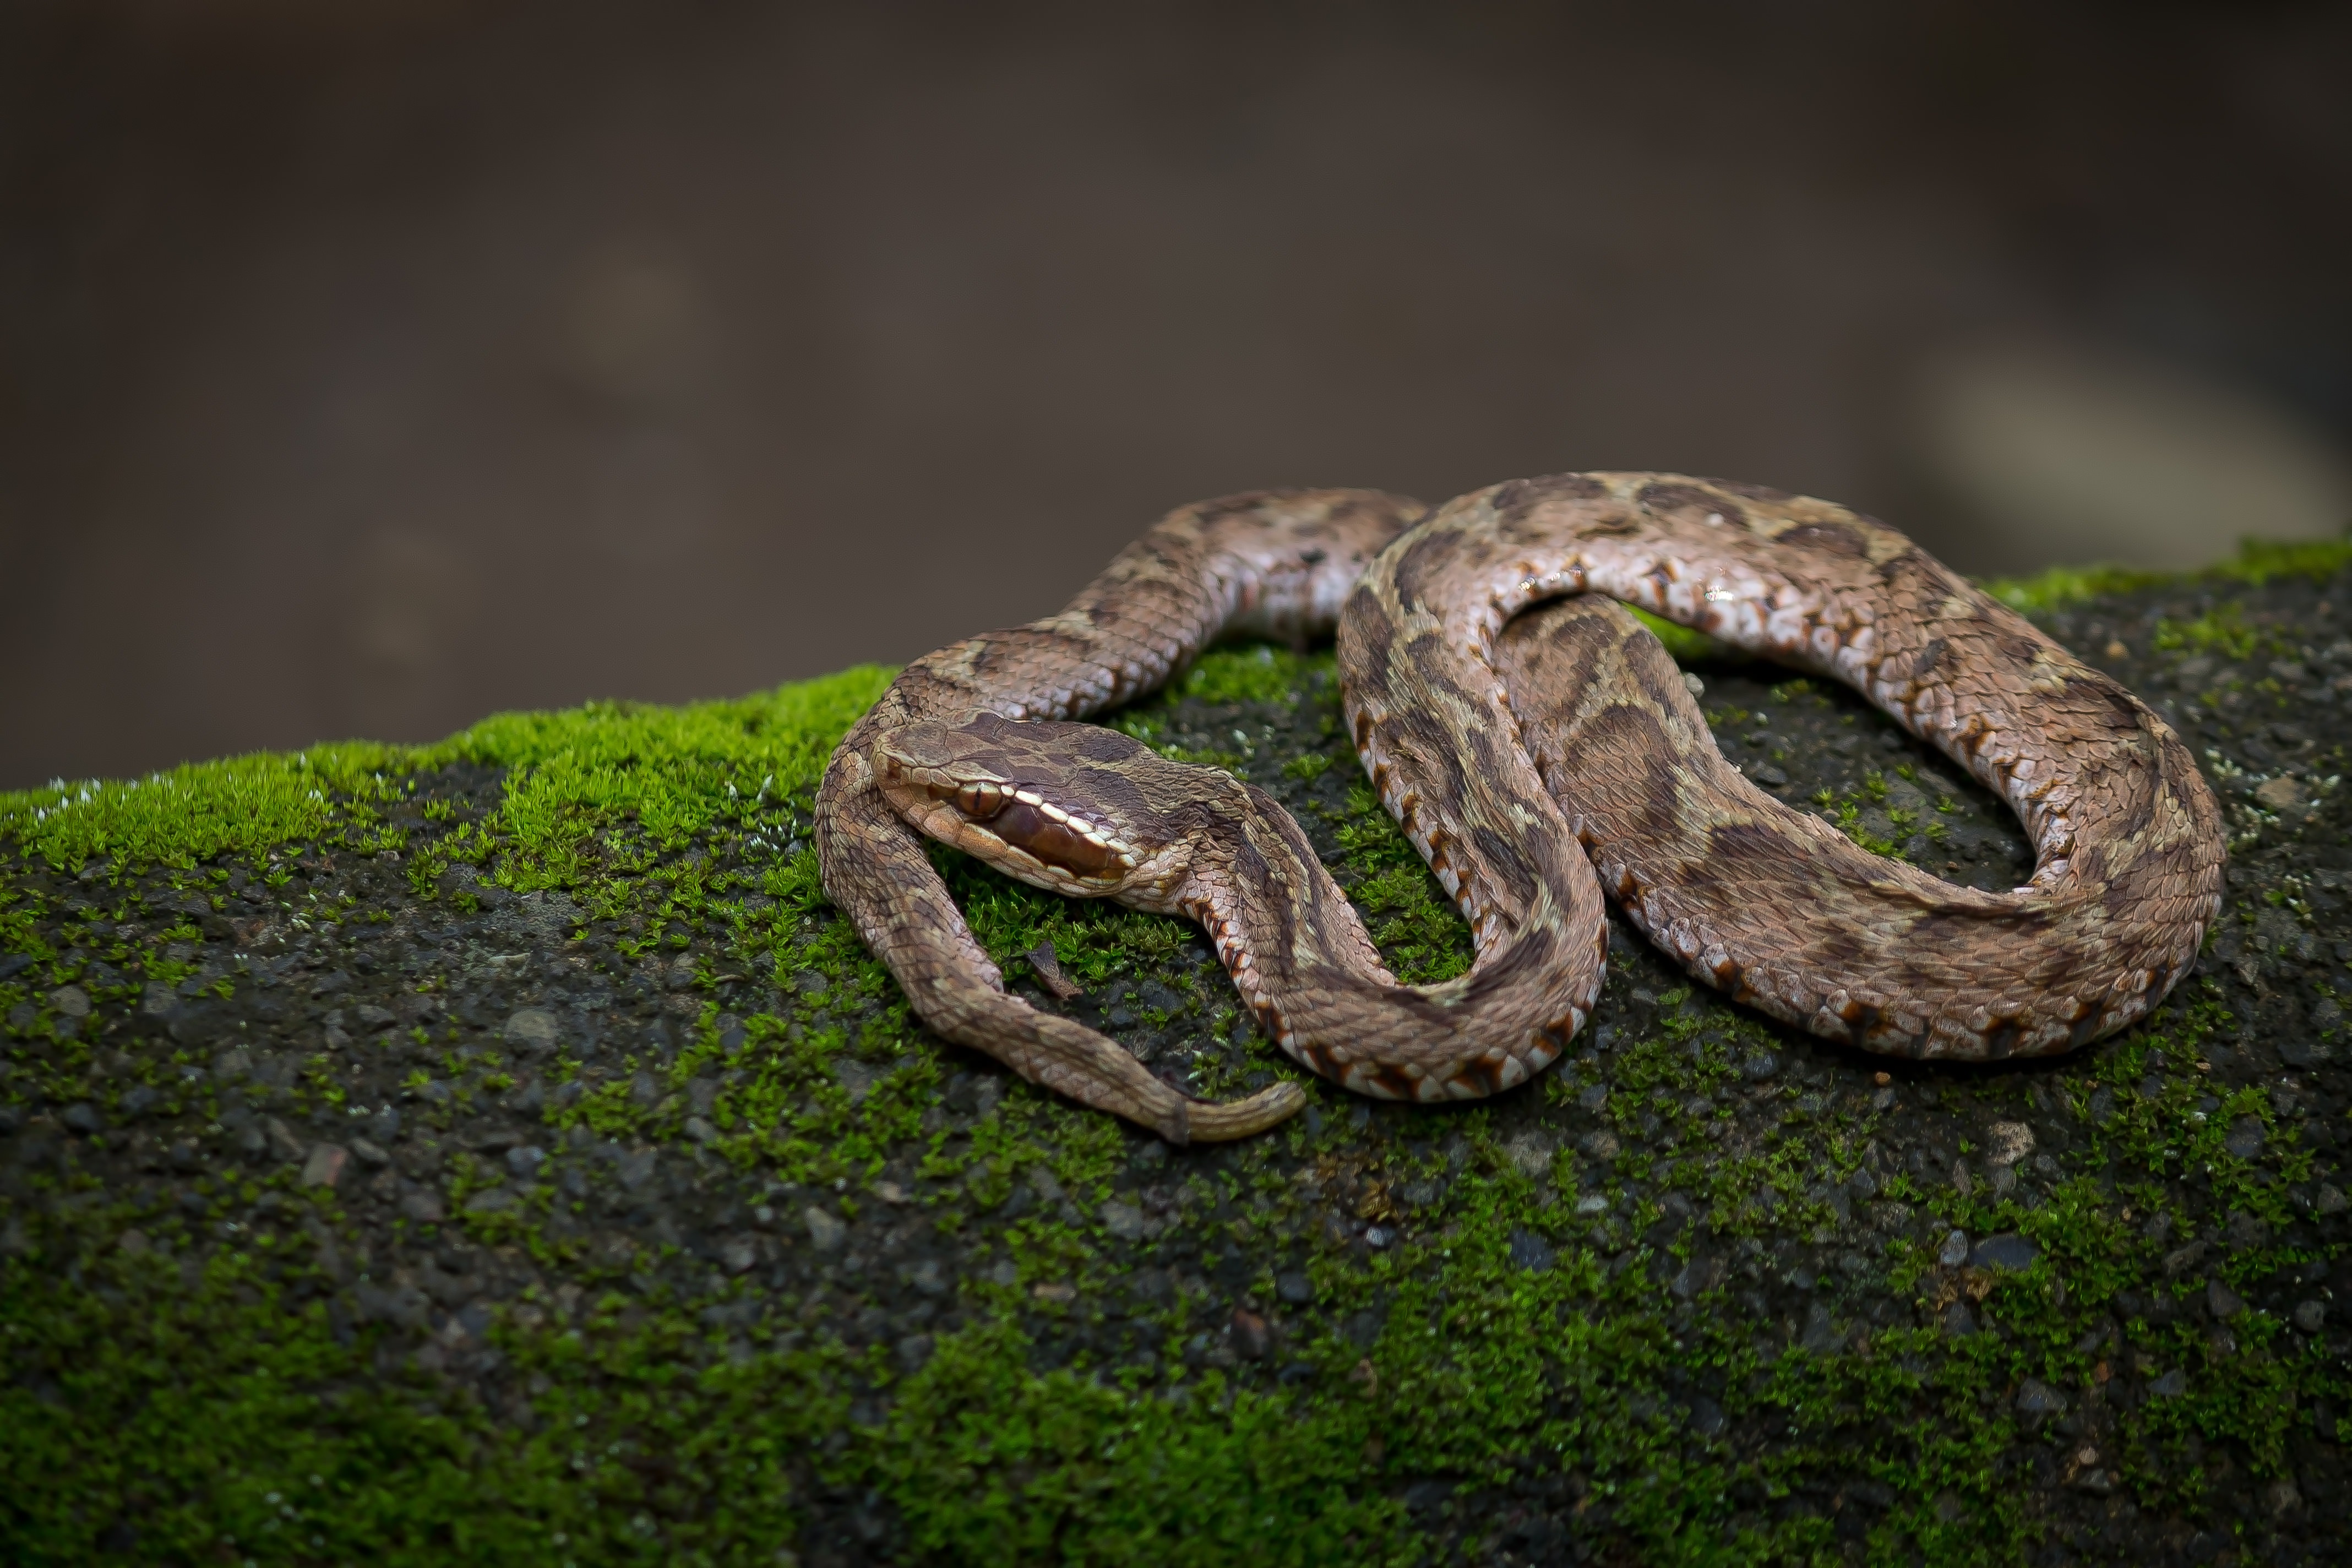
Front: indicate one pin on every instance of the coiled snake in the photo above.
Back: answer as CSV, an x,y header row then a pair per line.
x,y
1522,756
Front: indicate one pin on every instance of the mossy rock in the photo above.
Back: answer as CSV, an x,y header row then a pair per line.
x,y
499,1151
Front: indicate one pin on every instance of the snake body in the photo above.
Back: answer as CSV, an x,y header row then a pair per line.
x,y
1520,751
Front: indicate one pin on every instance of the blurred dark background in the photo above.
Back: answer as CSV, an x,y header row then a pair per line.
x,y
366,367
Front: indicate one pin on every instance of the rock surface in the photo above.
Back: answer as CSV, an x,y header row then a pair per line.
x,y
501,1143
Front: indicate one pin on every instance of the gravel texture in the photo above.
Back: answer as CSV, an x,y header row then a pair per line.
x,y
499,1151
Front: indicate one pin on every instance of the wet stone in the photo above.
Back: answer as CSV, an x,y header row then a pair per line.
x,y
282,1141
634,1170
858,1078
403,1306
323,1166
1532,1252
826,1231
532,1029
2037,1398
2181,1259
2006,1251
1697,1277
1530,1152
2009,1142
2247,1136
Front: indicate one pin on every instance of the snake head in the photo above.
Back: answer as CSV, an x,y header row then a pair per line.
x,y
1037,801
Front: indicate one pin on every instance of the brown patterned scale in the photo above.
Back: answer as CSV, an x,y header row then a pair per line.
x,y
1520,753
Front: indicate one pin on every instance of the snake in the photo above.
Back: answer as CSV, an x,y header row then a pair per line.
x,y
1545,755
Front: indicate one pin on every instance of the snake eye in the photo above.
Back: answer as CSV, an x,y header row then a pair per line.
x,y
980,802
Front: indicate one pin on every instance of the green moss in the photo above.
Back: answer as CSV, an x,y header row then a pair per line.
x,y
1689,647
2255,564
1251,672
243,806
1420,933
2224,630
654,776
1001,1465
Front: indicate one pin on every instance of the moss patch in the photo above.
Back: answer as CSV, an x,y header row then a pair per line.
x,y
498,1151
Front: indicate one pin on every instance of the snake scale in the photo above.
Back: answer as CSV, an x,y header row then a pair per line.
x,y
1538,746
